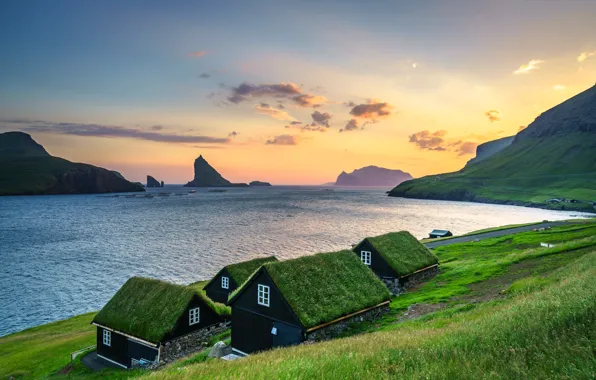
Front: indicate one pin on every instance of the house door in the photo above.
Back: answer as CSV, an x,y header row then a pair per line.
x,y
285,335
250,332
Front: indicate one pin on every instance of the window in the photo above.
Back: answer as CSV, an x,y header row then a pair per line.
x,y
263,298
365,256
107,338
193,316
225,283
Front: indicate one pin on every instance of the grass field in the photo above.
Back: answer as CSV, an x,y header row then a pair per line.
x,y
500,308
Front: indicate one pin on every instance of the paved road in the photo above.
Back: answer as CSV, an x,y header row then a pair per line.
x,y
492,234
95,363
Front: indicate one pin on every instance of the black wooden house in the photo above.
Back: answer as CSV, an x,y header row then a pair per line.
x,y
134,327
285,303
434,234
397,258
230,277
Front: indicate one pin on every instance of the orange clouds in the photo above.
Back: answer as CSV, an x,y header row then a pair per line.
x,y
373,110
275,113
308,100
493,115
429,140
585,55
283,140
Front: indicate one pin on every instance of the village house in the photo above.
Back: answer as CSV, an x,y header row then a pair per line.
x,y
435,234
230,277
150,322
306,299
398,259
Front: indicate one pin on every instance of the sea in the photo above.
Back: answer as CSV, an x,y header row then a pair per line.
x,y
65,255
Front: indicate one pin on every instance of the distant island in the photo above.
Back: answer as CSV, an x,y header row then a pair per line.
x,y
258,183
372,176
207,176
26,168
152,182
550,164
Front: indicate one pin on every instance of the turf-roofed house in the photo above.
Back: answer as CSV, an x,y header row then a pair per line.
x,y
306,299
398,259
230,277
149,322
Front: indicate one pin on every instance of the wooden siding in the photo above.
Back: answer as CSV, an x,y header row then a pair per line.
x,y
207,317
216,292
117,351
378,264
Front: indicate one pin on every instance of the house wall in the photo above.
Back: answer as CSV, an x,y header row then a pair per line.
x,y
216,292
137,350
207,317
252,323
377,264
337,328
117,351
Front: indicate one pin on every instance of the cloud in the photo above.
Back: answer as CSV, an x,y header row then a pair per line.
x,y
585,55
466,148
527,67
493,115
233,134
558,87
157,128
351,125
321,118
247,90
308,100
350,104
283,140
414,65
197,54
372,110
312,127
429,140
109,131
205,76
266,109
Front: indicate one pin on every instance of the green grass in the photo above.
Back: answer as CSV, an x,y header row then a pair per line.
x,y
403,252
326,286
546,333
484,230
39,351
149,308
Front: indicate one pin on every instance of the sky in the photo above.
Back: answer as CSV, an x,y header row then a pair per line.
x,y
290,92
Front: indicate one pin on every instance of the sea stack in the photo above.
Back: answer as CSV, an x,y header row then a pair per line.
x,y
152,182
207,176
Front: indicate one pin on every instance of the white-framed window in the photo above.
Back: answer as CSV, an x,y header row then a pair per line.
x,y
365,256
263,296
107,338
194,316
225,282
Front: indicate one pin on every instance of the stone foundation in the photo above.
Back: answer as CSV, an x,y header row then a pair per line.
x,y
398,286
335,329
189,343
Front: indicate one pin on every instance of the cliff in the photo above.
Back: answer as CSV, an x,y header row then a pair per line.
x,y
152,182
207,176
372,176
490,148
26,168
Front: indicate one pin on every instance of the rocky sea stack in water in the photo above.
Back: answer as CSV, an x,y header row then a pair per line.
x,y
152,182
372,176
207,176
26,168
259,183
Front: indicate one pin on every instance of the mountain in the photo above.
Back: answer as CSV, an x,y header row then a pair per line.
x,y
26,168
152,182
554,157
372,176
259,183
490,148
207,176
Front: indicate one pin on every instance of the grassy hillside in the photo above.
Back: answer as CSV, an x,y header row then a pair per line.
x,y
553,158
500,308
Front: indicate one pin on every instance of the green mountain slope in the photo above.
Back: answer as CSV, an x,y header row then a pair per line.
x,y
554,157
27,169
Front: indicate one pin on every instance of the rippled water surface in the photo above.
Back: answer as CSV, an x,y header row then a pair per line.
x,y
65,255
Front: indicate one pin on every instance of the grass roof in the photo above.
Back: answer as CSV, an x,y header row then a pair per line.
x,y
403,252
148,308
326,286
240,272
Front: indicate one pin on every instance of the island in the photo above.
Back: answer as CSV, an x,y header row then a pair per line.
x,y
152,182
372,176
207,176
26,168
258,184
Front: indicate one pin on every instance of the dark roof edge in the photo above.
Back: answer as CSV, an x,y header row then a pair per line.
x,y
242,287
419,270
125,334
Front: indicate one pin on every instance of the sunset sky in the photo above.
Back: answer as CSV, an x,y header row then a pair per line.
x,y
290,92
